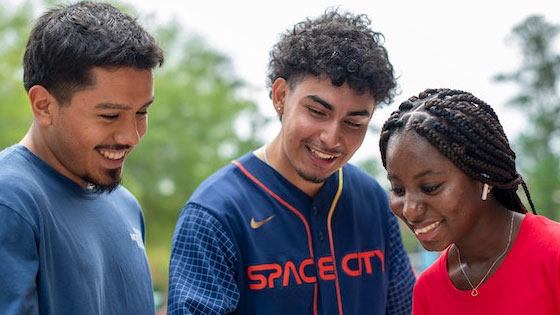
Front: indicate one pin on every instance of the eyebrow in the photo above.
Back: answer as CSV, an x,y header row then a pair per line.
x,y
328,106
423,173
121,106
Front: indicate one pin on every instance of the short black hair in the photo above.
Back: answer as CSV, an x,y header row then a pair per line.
x,y
68,41
468,132
339,45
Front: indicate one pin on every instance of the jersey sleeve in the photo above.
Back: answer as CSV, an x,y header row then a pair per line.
x,y
202,266
20,264
401,274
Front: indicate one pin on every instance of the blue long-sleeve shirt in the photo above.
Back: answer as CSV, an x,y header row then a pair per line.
x,y
65,249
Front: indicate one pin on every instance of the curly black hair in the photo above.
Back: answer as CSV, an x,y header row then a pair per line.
x,y
468,132
67,41
339,45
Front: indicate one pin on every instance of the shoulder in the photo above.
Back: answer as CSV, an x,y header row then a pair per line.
x,y
543,223
224,185
542,232
21,190
220,186
357,174
361,180
364,192
430,285
542,227
15,165
433,273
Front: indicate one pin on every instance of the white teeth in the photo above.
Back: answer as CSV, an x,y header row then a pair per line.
x,y
113,155
321,155
427,228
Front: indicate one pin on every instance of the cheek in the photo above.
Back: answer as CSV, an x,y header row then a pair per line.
x,y
396,205
77,139
297,129
354,139
454,205
142,127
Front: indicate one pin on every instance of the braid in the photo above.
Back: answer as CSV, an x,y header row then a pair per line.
x,y
468,132
526,189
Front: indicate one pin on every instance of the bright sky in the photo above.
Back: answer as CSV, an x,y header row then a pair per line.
x,y
431,43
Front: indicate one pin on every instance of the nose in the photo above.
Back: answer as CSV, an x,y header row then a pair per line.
x,y
413,209
331,134
129,133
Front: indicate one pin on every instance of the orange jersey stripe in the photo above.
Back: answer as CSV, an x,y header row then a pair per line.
x,y
333,205
294,210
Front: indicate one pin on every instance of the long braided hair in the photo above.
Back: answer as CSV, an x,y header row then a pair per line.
x,y
468,132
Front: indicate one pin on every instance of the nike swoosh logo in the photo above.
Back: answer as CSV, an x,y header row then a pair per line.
x,y
256,225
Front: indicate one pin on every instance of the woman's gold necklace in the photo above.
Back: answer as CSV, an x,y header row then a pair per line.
x,y
474,291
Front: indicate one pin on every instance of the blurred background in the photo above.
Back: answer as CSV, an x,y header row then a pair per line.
x,y
212,102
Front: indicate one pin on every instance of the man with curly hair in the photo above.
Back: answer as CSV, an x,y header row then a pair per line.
x,y
291,228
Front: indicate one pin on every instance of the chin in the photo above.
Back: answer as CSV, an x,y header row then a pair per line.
x,y
108,184
434,247
315,179
100,189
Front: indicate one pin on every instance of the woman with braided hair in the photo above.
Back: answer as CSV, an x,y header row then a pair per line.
x,y
454,183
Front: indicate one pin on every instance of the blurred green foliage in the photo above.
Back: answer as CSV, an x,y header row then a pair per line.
x,y
538,82
15,114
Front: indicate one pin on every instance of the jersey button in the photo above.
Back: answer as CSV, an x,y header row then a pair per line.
x,y
321,236
315,211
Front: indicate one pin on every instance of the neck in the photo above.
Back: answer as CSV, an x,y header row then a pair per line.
x,y
488,236
35,142
279,162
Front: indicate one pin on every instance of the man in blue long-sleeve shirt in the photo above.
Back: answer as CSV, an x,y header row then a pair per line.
x,y
72,238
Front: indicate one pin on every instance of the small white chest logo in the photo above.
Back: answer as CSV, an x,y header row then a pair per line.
x,y
137,237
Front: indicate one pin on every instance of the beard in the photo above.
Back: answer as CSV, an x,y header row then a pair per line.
x,y
310,178
100,188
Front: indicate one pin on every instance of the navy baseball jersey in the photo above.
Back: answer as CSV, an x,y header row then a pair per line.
x,y
250,242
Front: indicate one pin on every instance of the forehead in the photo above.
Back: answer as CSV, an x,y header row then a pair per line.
x,y
337,96
126,85
409,152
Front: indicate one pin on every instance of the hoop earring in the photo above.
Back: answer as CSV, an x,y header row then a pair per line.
x,y
485,190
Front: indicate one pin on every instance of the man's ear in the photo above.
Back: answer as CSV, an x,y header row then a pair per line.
x,y
43,105
278,94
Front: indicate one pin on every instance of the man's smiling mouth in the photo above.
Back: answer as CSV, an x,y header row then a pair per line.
x,y
113,154
321,155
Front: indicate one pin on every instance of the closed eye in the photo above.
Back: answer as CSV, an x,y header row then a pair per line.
x,y
313,111
430,189
399,191
110,117
353,124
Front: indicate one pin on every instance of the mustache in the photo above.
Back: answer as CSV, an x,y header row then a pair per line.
x,y
331,151
113,147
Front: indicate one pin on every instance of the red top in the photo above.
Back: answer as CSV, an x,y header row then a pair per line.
x,y
527,281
